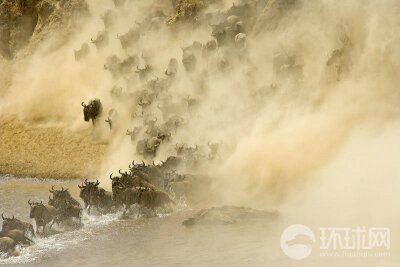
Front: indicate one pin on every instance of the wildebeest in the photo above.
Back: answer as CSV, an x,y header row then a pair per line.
x,y
153,198
7,244
148,147
18,236
109,19
134,133
118,3
95,196
172,68
61,195
43,214
112,116
67,210
92,110
185,150
143,196
213,150
82,52
67,207
240,40
129,38
101,39
143,72
14,223
130,180
126,197
112,64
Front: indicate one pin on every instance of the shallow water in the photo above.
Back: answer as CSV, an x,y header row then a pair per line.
x,y
158,241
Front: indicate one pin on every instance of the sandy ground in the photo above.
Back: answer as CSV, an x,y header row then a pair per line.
x,y
46,152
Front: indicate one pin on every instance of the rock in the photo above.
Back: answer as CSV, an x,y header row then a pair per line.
x,y
227,215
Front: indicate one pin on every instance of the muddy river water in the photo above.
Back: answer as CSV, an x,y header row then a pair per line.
x,y
158,241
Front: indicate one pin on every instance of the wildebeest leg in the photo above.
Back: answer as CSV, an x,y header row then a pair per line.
x,y
37,226
54,220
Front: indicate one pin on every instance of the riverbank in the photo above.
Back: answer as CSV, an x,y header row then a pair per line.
x,y
47,152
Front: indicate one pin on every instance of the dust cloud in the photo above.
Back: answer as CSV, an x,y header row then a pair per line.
x,y
280,103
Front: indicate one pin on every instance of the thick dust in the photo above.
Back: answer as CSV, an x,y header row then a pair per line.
x,y
281,104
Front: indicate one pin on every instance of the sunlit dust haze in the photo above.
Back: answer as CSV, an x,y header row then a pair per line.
x,y
283,105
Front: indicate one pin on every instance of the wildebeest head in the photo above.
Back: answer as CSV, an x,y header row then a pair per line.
x,y
101,39
7,223
185,149
36,209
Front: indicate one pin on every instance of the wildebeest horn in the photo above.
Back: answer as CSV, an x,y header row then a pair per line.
x,y
111,176
130,173
144,164
62,189
13,217
86,182
41,202
78,186
153,163
83,104
2,216
97,182
52,189
120,171
29,202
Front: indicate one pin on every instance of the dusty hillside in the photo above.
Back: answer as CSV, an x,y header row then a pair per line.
x,y
46,152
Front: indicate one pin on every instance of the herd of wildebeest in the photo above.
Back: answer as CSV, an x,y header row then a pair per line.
x,y
150,187
147,187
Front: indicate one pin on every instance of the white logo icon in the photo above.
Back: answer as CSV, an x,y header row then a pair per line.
x,y
297,241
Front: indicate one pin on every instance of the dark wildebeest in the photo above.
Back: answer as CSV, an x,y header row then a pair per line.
x,y
17,235
82,52
95,196
61,195
92,110
66,205
7,245
129,180
14,223
143,196
67,210
43,214
126,197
